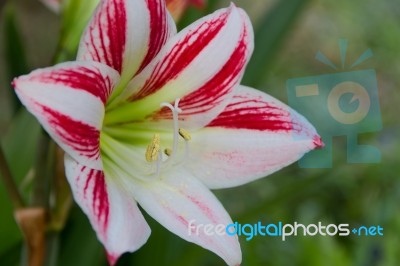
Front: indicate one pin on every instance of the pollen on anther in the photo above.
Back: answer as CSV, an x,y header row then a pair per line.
x,y
153,148
185,134
168,151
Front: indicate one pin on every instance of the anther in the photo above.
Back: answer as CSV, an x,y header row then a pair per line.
x,y
152,152
168,152
184,134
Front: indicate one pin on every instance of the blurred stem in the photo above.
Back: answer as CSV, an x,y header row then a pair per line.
x,y
40,196
9,183
62,194
33,220
53,246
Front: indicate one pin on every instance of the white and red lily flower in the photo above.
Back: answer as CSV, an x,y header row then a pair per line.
x,y
137,88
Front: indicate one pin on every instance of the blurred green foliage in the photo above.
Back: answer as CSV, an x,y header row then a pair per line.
x,y
288,34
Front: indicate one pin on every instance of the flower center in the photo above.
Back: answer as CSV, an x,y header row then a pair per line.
x,y
123,147
154,155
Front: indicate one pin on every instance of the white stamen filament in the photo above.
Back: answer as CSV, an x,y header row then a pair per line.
x,y
175,111
171,153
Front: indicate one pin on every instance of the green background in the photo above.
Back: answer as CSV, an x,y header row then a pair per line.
x,y
288,35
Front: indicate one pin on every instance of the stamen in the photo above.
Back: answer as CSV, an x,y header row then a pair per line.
x,y
175,111
152,152
168,152
185,134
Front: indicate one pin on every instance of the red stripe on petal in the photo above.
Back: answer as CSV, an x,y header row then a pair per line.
x,y
206,210
79,136
105,38
117,33
82,78
112,258
181,55
100,199
212,93
95,190
159,30
254,114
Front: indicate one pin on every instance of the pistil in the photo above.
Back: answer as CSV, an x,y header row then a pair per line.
x,y
153,153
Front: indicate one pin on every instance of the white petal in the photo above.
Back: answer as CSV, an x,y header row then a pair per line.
x,y
180,202
255,136
201,65
112,211
68,100
126,35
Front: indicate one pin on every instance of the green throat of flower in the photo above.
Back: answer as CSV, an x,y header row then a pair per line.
x,y
123,147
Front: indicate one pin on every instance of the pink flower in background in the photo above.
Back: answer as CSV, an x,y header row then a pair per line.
x,y
178,7
151,116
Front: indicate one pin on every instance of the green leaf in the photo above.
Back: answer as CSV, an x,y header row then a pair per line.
x,y
79,245
12,256
269,36
75,16
19,147
20,143
14,50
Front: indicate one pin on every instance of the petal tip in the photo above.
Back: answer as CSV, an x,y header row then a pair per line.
x,y
319,144
14,83
112,258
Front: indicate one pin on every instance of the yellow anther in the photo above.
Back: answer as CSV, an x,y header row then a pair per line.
x,y
168,151
153,148
185,134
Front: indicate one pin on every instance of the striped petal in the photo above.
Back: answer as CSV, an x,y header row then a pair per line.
x,y
126,34
68,100
201,65
112,211
255,136
180,203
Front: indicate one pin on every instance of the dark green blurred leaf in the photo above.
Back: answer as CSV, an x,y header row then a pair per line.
x,y
19,147
79,245
269,36
192,13
14,49
11,256
20,143
165,248
75,16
